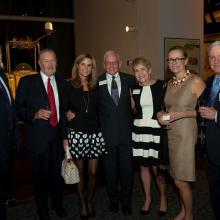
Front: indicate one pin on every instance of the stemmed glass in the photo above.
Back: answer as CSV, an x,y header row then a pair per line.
x,y
202,125
48,108
202,103
166,117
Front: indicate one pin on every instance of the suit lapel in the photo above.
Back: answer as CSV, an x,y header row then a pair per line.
x,y
104,87
40,86
209,88
59,89
5,79
123,90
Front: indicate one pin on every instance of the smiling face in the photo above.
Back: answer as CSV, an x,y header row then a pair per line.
x,y
85,68
48,62
142,73
177,61
214,59
112,63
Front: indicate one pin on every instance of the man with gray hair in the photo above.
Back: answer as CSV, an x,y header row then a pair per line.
x,y
211,113
39,104
116,123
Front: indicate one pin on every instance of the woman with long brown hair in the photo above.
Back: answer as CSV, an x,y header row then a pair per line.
x,y
84,140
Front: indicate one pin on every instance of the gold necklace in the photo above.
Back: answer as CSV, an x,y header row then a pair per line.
x,y
176,82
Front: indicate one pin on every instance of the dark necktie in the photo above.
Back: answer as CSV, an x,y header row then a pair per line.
x,y
114,91
215,90
53,116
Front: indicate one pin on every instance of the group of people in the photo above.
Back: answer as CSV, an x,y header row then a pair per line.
x,y
121,118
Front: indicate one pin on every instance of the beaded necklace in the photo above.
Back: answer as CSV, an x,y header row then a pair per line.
x,y
176,82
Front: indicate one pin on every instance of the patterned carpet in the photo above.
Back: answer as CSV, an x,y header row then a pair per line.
x,y
201,204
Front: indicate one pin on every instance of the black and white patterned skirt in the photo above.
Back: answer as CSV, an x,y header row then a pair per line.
x,y
86,145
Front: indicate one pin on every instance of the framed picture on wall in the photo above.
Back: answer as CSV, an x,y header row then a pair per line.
x,y
192,47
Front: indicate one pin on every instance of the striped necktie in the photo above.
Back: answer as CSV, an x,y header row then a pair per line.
x,y
114,91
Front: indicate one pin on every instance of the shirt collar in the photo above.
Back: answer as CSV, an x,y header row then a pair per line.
x,y
45,77
217,76
109,76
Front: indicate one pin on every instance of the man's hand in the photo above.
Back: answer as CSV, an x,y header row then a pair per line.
x,y
42,114
207,112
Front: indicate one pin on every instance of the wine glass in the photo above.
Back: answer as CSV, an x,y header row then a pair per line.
x,y
165,117
202,130
48,109
202,103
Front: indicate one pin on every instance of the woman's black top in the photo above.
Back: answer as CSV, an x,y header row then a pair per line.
x,y
84,105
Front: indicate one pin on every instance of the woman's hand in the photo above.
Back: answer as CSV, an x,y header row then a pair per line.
x,y
66,149
161,116
70,115
182,114
175,116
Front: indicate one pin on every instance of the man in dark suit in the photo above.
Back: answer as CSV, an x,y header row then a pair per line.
x,y
116,123
212,114
39,101
7,136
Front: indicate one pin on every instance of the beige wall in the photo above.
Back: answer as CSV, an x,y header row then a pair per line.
x,y
100,26
182,19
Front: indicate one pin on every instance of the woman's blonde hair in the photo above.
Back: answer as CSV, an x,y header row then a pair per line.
x,y
75,79
141,60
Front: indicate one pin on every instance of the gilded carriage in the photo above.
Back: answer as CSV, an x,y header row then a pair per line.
x,y
21,69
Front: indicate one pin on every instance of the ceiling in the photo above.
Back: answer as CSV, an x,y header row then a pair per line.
x,y
35,8
27,29
64,9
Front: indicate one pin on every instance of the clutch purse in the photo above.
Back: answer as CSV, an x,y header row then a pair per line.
x,y
69,172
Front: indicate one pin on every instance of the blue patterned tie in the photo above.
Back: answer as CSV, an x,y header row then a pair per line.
x,y
114,91
215,90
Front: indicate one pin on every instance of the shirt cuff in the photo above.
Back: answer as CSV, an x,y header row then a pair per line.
x,y
216,116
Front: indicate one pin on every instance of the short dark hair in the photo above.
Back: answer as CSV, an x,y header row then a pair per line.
x,y
180,48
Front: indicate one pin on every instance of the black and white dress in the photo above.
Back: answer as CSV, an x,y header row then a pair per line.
x,y
147,132
83,132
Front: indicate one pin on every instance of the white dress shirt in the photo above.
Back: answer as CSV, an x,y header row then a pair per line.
x,y
55,90
117,80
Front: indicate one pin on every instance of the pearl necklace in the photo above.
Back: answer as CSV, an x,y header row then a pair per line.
x,y
176,82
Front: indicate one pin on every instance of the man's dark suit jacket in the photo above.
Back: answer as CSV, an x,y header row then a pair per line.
x,y
116,122
213,128
8,137
31,96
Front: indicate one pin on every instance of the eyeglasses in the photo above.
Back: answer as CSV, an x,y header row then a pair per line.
x,y
214,58
114,63
176,60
